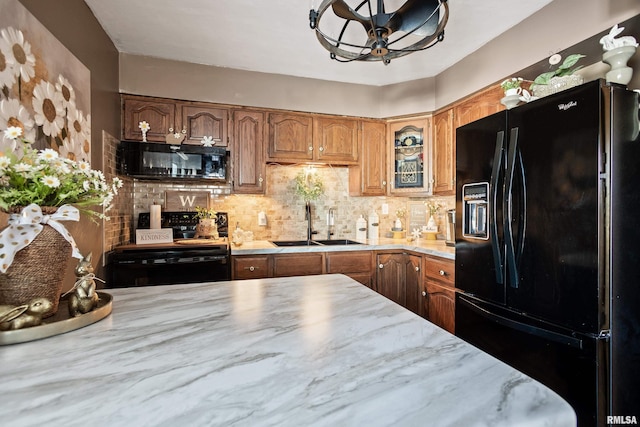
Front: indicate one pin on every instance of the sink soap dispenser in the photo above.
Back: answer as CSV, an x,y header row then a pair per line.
x,y
361,229
374,226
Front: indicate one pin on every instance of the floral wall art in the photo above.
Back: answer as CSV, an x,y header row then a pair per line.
x,y
44,89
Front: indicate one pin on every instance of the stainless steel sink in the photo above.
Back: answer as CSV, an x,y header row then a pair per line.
x,y
295,242
337,242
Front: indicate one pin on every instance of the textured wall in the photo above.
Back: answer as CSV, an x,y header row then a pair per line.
x,y
285,210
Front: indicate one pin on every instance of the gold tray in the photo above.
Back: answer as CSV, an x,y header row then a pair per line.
x,y
60,322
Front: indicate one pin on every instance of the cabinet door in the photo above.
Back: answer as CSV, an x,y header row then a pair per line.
x,y
369,177
336,140
444,157
439,305
250,267
410,158
300,264
390,277
413,282
160,114
201,120
478,106
249,169
290,137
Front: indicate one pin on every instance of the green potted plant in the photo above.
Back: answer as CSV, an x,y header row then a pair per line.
x,y
512,86
559,79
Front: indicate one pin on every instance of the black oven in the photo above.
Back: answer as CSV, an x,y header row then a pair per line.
x,y
152,160
186,260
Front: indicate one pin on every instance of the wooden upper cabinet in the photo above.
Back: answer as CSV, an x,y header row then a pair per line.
x,y
410,157
295,137
249,168
159,113
335,140
200,120
477,106
290,137
369,176
444,154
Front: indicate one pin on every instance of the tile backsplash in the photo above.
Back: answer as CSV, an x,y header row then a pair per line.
x,y
285,210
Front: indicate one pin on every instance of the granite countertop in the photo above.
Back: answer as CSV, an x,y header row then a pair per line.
x,y
299,351
424,246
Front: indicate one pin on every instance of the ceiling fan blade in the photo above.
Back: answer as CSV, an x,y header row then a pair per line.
x,y
412,14
342,10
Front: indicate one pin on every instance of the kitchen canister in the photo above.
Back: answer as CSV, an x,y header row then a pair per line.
x,y
361,229
374,226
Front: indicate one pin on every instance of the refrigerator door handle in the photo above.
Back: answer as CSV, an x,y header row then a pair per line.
x,y
510,254
493,224
523,327
522,229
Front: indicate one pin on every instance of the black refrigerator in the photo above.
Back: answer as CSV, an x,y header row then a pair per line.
x,y
548,245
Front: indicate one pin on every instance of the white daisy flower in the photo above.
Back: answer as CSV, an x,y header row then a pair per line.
x,y
66,149
7,78
47,105
23,167
12,132
208,141
20,55
66,90
76,126
84,167
13,114
51,181
47,154
4,162
86,185
144,126
61,166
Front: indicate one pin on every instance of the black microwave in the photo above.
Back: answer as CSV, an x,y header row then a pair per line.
x,y
154,160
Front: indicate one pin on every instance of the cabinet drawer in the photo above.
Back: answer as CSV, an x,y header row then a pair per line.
x,y
349,262
440,270
298,264
250,267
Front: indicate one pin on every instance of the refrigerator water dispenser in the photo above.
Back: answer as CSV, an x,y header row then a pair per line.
x,y
475,216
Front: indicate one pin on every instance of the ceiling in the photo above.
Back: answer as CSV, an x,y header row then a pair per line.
x,y
274,36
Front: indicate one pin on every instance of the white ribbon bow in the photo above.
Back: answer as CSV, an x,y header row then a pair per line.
x,y
24,227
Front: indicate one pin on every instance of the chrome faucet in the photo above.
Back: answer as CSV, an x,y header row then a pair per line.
x,y
330,226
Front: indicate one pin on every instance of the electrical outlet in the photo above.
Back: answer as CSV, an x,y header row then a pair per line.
x,y
385,209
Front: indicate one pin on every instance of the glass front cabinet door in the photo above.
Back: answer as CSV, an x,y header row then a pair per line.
x,y
411,156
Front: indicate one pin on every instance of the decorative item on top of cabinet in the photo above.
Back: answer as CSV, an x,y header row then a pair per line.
x,y
444,154
369,176
249,168
438,302
204,120
158,113
479,105
410,158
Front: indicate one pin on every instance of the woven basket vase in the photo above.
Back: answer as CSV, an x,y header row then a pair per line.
x,y
38,270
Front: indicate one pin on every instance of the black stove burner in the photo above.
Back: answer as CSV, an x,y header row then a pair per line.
x,y
184,223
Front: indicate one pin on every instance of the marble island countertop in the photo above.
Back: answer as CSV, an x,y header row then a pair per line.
x,y
299,351
424,246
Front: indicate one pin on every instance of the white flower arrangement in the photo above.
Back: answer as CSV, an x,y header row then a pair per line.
x,y
207,141
46,179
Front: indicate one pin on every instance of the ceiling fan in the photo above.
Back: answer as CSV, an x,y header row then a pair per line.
x,y
415,26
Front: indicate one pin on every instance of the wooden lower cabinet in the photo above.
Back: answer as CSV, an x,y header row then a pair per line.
x,y
398,278
357,265
251,267
303,264
438,292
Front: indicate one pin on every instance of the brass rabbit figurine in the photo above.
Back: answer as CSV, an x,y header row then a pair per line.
x,y
83,296
23,316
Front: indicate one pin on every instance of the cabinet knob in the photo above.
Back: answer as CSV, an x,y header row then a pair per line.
x,y
424,293
321,148
442,273
380,266
252,268
384,182
310,148
260,179
417,268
